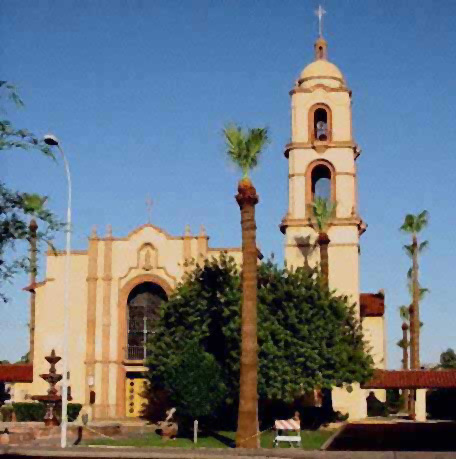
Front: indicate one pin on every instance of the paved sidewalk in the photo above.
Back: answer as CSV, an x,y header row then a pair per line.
x,y
17,452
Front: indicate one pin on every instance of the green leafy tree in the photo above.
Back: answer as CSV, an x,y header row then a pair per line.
x,y
195,383
441,403
17,207
448,360
308,336
244,148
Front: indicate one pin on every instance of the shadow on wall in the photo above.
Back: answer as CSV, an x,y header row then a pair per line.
x,y
306,248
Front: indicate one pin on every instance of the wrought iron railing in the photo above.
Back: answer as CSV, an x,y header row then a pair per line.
x,y
136,352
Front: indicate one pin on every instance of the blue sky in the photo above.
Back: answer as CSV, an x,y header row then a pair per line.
x,y
139,91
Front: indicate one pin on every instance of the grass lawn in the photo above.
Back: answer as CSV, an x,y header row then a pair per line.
x,y
310,440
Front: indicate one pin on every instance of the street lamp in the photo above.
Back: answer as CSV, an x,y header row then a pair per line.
x,y
52,140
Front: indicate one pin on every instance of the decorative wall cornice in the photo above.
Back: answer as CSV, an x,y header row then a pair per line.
x,y
321,146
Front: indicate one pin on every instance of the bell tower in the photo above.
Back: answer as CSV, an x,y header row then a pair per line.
x,y
322,158
322,163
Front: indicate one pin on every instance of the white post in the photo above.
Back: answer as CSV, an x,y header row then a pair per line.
x,y
66,302
420,405
195,431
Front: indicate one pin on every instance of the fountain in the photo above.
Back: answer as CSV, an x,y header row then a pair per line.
x,y
52,400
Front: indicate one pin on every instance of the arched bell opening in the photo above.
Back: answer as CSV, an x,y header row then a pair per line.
x,y
320,120
320,183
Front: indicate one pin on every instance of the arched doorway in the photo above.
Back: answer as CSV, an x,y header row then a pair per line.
x,y
143,306
128,369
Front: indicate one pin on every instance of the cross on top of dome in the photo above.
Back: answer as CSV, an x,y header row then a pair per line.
x,y
320,13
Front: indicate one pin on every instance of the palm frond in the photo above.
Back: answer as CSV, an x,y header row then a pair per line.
x,y
404,313
323,211
408,224
245,147
408,249
423,292
409,274
422,220
414,224
424,245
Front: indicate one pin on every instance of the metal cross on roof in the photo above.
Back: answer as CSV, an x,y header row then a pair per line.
x,y
319,13
149,204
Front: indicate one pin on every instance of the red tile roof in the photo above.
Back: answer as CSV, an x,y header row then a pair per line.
x,y
372,304
412,379
16,373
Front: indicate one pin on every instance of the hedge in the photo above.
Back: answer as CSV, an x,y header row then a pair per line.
x,y
35,411
73,411
6,412
26,411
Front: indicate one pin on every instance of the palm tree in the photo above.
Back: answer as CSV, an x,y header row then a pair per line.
x,y
244,148
323,211
413,225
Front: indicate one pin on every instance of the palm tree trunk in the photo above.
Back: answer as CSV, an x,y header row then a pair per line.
x,y
247,431
33,227
414,322
412,341
405,363
415,354
323,242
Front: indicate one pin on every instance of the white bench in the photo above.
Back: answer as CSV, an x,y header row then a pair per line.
x,y
281,427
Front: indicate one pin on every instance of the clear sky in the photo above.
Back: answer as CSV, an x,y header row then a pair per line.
x,y
138,92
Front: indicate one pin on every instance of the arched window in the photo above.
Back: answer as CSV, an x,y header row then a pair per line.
x,y
321,182
143,306
320,123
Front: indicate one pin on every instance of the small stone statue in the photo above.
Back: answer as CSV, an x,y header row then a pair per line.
x,y
168,428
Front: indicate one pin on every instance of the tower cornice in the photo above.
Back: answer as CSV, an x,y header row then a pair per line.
x,y
300,90
310,223
322,146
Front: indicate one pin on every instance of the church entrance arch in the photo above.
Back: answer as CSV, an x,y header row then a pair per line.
x,y
139,303
143,306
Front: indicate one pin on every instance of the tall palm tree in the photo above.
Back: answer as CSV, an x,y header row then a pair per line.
x,y
413,225
323,212
244,148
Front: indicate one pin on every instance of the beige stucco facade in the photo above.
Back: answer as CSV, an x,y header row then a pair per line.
x,y
103,276
101,279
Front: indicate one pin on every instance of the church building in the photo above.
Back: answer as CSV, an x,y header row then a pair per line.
x,y
118,283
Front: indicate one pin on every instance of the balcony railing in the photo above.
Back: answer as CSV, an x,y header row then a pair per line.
x,y
136,352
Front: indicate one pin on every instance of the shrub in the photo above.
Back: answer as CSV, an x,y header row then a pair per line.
x,y
26,411
195,383
376,408
73,411
6,412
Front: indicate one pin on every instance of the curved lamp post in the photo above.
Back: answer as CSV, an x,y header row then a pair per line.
x,y
52,140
